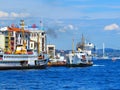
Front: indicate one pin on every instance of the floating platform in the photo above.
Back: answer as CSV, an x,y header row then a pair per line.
x,y
56,64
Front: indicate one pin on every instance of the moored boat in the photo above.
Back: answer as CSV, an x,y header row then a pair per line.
x,y
59,60
22,61
78,59
21,58
82,57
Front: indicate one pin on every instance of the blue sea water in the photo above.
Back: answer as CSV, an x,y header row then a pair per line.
x,y
103,75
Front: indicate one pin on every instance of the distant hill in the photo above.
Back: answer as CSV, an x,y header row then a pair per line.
x,y
99,52
109,52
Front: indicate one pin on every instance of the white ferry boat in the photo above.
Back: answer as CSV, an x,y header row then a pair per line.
x,y
21,58
78,59
22,61
82,57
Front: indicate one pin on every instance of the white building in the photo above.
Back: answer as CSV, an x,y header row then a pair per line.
x,y
51,50
37,39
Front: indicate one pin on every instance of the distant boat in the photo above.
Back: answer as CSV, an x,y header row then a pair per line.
x,y
114,59
57,61
81,57
78,59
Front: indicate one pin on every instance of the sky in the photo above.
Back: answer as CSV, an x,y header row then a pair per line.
x,y
65,20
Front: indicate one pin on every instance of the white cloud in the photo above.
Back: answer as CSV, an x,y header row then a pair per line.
x,y
3,14
112,27
68,27
12,14
71,27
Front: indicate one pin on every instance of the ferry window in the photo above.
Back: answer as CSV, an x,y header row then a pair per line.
x,y
31,44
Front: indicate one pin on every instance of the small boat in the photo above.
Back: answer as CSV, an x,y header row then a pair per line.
x,y
78,59
57,61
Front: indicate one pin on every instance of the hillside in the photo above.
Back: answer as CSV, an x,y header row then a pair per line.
x,y
109,52
99,52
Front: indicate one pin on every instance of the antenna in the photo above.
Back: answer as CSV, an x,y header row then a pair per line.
x,y
82,42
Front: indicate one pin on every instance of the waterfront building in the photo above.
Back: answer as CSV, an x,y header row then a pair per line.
x,y
51,50
12,36
37,38
34,38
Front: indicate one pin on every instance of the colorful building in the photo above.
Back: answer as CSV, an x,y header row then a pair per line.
x,y
12,36
32,37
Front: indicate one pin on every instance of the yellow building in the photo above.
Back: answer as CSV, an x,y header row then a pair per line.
x,y
12,36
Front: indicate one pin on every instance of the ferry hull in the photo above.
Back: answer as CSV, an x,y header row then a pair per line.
x,y
22,67
38,64
56,65
79,65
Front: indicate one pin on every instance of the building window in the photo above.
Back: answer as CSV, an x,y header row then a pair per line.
x,y
42,33
20,35
31,34
20,41
12,38
26,36
34,34
31,45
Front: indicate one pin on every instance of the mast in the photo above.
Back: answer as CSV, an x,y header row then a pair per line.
x,y
82,43
38,42
72,45
38,39
23,33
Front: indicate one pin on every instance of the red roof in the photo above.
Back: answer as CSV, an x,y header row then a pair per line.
x,y
16,29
